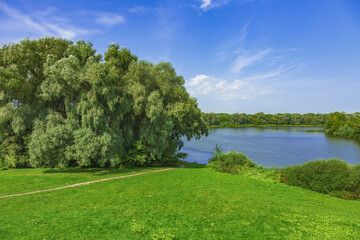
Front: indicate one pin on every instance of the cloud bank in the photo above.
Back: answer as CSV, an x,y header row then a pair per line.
x,y
41,26
207,86
110,19
48,23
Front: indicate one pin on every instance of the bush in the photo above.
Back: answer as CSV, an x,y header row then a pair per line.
x,y
11,161
236,162
230,162
354,179
333,176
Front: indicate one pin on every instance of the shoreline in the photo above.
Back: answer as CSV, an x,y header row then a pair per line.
x,y
252,125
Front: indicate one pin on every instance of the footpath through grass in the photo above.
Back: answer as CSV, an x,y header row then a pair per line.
x,y
14,181
190,203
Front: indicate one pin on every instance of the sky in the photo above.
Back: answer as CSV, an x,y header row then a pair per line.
x,y
270,56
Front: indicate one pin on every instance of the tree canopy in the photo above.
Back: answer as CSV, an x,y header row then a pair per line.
x,y
344,125
61,104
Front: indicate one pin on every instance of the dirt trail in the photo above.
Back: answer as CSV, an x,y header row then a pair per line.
x,y
86,183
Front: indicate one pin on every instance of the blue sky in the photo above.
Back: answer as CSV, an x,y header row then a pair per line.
x,y
235,55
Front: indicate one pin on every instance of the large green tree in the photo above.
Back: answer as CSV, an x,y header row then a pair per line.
x,y
21,74
64,105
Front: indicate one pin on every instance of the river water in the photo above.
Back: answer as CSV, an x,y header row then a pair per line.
x,y
279,146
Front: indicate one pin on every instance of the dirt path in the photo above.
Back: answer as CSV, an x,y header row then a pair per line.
x,y
86,183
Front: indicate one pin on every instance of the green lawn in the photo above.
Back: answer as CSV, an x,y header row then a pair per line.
x,y
25,180
190,203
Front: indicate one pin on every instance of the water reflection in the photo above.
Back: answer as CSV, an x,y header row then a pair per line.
x,y
279,146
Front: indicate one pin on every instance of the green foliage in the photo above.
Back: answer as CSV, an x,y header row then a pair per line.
x,y
333,176
12,161
60,105
21,74
343,125
262,173
136,156
279,119
238,163
14,136
230,162
218,152
50,141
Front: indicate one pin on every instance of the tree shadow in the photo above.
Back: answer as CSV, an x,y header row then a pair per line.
x,y
95,171
113,171
190,164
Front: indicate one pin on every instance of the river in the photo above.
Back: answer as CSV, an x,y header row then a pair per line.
x,y
279,146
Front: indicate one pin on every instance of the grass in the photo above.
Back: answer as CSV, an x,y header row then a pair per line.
x,y
14,181
190,203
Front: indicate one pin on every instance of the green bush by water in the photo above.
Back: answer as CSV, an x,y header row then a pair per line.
x,y
230,162
333,176
237,162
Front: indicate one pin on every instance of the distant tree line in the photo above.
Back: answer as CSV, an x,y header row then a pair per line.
x,y
343,125
239,119
61,104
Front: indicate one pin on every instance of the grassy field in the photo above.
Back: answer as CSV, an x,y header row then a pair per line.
x,y
190,203
25,180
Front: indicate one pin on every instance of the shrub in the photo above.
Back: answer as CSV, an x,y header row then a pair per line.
x,y
11,161
230,162
236,162
354,179
333,176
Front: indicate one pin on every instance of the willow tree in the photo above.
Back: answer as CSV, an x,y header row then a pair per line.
x,y
21,74
83,110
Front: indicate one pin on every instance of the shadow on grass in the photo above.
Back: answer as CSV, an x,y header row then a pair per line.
x,y
95,171
190,164
110,171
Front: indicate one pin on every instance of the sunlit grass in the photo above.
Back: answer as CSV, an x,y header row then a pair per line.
x,y
24,180
190,203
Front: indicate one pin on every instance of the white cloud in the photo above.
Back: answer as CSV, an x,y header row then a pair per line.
x,y
206,86
252,75
197,80
205,4
246,60
40,26
23,18
68,32
139,9
110,19
244,32
208,4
